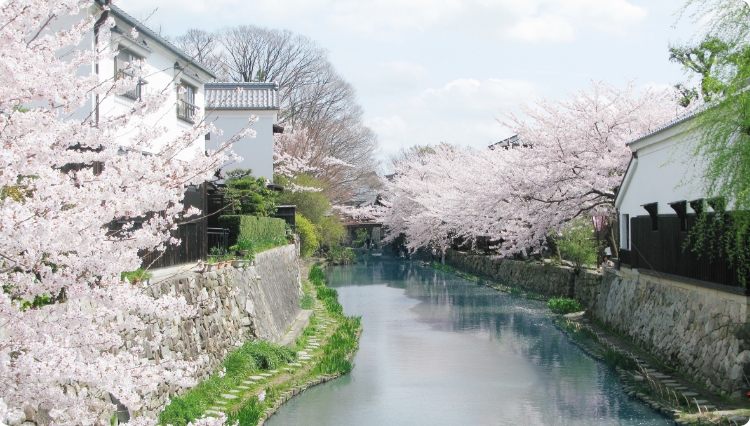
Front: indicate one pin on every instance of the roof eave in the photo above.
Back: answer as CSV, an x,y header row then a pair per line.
x,y
119,13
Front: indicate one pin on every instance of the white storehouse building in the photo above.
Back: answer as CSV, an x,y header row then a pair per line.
x,y
658,201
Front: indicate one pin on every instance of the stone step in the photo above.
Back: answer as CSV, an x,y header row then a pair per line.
x,y
700,401
266,375
708,407
243,387
256,378
248,382
690,394
296,364
221,402
234,391
273,371
228,396
214,412
740,420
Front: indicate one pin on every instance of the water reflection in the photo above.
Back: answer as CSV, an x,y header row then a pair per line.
x,y
440,350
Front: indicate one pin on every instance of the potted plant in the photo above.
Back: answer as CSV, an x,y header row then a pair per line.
x,y
210,264
244,245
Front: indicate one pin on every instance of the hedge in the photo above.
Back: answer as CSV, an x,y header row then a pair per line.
x,y
253,227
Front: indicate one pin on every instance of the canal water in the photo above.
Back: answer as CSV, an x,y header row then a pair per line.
x,y
440,350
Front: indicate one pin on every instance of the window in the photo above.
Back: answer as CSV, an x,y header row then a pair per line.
x,y
124,67
186,102
625,232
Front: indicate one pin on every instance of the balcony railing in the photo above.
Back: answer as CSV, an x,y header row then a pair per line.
x,y
186,111
135,93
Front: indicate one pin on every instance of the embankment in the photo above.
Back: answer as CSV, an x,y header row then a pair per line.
x,y
704,333
260,301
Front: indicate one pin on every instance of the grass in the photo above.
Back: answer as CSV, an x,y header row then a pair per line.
x,y
443,267
307,301
250,358
615,359
561,305
137,275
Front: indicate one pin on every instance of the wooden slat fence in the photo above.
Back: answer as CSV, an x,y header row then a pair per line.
x,y
663,251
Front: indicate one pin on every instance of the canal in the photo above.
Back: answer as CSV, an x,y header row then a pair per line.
x,y
441,350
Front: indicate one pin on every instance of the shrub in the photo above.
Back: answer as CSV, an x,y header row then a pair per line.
x,y
577,244
307,301
563,306
330,232
253,227
248,195
307,238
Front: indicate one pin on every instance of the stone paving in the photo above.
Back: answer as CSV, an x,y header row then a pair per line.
x,y
256,384
671,395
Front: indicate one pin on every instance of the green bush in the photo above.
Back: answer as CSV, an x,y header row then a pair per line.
x,y
307,301
253,227
307,236
330,232
563,306
248,195
577,244
250,358
311,204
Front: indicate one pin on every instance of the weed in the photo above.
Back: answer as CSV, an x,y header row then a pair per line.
x,y
249,358
515,291
561,305
249,414
615,359
307,301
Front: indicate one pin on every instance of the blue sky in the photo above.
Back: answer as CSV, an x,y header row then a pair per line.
x,y
428,71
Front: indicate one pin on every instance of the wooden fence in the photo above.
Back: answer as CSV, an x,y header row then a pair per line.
x,y
193,236
661,248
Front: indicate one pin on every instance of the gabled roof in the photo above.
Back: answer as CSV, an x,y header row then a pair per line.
x,y
122,15
679,120
228,96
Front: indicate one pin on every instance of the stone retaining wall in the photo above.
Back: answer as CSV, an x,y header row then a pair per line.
x,y
259,301
703,333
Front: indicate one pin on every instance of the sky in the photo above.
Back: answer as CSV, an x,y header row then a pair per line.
x,y
431,71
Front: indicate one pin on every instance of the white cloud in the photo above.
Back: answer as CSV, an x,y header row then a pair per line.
x,y
386,78
470,96
529,20
462,111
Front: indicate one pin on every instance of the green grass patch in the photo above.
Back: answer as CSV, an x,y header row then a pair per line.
x,y
443,267
341,343
615,359
252,357
137,275
561,305
515,291
307,301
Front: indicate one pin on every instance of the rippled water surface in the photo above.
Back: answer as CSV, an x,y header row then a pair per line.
x,y
440,350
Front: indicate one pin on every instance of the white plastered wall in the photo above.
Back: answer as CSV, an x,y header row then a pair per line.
x,y
665,171
160,73
256,153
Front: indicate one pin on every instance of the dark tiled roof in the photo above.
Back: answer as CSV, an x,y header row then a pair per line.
x,y
242,96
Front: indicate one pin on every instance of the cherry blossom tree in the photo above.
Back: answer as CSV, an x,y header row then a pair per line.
x,y
63,306
570,165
